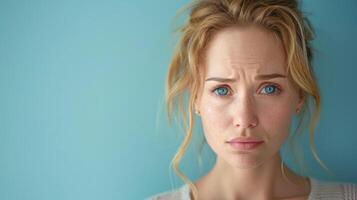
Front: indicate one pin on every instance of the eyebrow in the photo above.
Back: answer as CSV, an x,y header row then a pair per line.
x,y
259,77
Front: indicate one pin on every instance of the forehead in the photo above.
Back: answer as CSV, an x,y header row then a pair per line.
x,y
244,49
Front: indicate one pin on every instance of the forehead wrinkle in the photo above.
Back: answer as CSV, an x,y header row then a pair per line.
x,y
243,52
235,60
233,76
243,60
234,55
237,69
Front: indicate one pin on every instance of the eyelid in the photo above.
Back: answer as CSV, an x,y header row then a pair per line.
x,y
274,84
278,87
222,86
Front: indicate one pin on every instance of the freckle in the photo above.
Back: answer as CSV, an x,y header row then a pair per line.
x,y
209,109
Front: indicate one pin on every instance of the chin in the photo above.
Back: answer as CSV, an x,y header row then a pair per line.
x,y
244,161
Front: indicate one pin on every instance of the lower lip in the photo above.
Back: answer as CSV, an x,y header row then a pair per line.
x,y
245,145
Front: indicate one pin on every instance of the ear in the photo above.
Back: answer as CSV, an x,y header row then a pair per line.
x,y
196,104
302,98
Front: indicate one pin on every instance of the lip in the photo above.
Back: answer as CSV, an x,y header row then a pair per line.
x,y
244,140
245,145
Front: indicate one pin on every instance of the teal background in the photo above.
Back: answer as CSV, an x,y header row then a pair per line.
x,y
81,98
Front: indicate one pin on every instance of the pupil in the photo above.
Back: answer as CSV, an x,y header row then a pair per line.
x,y
270,89
221,91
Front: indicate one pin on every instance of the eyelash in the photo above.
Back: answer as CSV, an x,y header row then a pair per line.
x,y
278,89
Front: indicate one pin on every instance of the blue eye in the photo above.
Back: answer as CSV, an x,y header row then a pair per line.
x,y
268,90
271,89
222,91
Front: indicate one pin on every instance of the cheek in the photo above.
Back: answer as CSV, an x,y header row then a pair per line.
x,y
215,116
215,120
277,121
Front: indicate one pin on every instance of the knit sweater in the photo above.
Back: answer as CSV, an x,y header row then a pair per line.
x,y
320,190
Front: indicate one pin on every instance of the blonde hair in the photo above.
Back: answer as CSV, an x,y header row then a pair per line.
x,y
185,77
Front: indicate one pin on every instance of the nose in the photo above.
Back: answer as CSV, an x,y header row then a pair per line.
x,y
244,115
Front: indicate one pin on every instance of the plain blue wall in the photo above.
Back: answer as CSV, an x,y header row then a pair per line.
x,y
81,98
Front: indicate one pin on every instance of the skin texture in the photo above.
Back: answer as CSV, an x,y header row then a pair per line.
x,y
247,107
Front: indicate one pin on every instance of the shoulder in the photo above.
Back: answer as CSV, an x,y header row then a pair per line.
x,y
179,194
327,189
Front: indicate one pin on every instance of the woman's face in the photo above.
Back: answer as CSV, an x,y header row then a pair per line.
x,y
246,93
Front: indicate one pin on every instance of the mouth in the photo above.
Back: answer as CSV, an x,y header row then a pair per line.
x,y
244,146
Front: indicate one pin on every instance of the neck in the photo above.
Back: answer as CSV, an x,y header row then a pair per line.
x,y
265,181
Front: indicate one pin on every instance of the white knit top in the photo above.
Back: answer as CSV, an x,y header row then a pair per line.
x,y
320,190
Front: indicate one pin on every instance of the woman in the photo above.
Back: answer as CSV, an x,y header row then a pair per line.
x,y
247,67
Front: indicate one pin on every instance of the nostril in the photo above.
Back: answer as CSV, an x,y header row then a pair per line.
x,y
251,125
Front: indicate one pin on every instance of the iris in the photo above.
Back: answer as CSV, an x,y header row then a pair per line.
x,y
270,89
222,91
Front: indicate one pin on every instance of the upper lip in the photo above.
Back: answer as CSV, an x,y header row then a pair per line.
x,y
245,139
